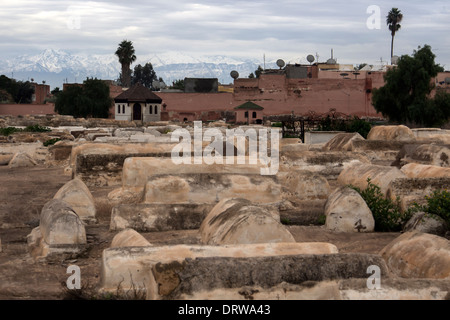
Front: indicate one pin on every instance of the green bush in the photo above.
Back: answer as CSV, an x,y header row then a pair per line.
x,y
51,142
386,213
438,203
37,128
8,131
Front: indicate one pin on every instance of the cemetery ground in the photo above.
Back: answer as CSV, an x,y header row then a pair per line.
x,y
25,190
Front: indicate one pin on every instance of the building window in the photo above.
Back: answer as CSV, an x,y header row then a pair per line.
x,y
254,115
150,109
118,108
246,114
156,109
123,109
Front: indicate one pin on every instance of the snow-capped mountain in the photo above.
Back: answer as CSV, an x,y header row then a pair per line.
x,y
56,66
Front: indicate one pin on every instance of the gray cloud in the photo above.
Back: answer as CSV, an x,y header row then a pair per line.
x,y
282,29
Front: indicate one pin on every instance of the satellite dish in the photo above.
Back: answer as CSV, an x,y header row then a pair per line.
x,y
395,59
156,84
310,58
234,74
280,63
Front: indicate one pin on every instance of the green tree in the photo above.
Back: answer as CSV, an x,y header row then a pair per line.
x,y
90,100
145,75
126,54
20,91
406,96
257,73
393,20
178,84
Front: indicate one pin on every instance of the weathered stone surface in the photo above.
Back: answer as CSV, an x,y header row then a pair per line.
x,y
357,175
432,154
328,164
305,185
132,265
159,216
395,289
347,211
418,255
129,238
426,223
211,187
21,159
194,278
342,142
238,221
5,158
60,232
137,171
126,196
77,195
60,224
414,190
426,154
306,192
415,170
61,150
100,164
432,134
398,133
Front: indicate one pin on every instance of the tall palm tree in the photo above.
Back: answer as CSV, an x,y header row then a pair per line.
x,y
393,20
126,55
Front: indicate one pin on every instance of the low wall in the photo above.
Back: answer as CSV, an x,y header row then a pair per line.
x,y
320,137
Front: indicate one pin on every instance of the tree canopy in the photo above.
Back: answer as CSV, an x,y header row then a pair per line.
x,y
393,19
407,97
145,75
126,54
19,91
89,100
257,73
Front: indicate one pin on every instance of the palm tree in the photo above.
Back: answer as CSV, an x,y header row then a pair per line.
x,y
393,20
125,52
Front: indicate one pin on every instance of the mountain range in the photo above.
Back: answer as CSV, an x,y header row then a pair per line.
x,y
56,67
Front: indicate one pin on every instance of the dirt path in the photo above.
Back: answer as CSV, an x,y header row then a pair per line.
x,y
23,193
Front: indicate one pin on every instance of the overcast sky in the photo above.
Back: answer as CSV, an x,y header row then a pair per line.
x,y
287,29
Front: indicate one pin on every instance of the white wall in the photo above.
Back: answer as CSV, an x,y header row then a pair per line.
x,y
120,115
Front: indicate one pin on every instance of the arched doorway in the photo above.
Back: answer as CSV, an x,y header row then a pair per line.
x,y
137,112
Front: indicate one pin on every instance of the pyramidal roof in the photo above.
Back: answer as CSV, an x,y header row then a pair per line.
x,y
249,106
138,93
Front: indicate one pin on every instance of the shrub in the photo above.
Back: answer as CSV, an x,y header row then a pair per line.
x,y
437,203
386,213
37,128
8,131
51,142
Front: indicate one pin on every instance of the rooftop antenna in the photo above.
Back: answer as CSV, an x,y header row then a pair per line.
x,y
317,56
264,58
